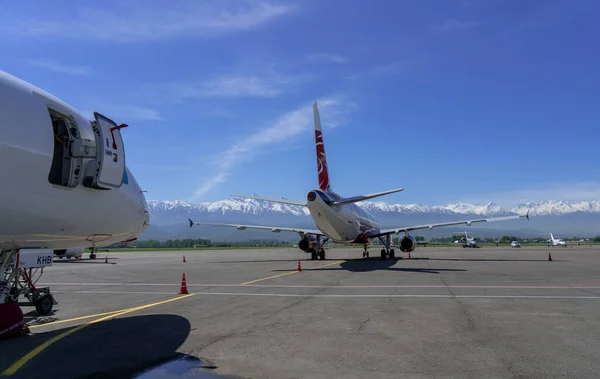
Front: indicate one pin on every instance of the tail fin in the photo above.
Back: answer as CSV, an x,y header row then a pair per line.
x,y
321,159
551,237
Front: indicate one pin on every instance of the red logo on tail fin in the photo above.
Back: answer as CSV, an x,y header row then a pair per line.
x,y
321,162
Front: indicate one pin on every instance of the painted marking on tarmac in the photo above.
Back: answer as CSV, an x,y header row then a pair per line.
x,y
441,296
33,353
290,273
405,295
75,319
566,286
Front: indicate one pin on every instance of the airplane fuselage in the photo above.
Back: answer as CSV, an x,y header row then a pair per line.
x,y
343,224
37,209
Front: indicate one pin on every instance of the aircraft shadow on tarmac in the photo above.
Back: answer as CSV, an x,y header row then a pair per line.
x,y
375,264
119,348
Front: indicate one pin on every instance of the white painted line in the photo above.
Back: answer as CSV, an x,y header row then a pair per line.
x,y
317,286
118,292
358,296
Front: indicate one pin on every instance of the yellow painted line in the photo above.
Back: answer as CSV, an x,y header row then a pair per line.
x,y
270,277
290,273
328,264
33,353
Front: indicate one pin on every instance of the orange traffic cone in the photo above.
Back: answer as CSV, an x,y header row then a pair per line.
x,y
409,255
106,260
184,259
299,268
549,256
183,290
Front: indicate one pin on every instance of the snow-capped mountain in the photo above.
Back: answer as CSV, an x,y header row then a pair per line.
x,y
169,219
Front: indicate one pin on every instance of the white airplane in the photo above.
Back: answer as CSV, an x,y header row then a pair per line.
x,y
339,219
556,241
69,253
469,242
66,185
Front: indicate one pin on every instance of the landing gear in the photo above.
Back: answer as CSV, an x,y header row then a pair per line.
x,y
93,253
388,251
322,254
366,252
318,252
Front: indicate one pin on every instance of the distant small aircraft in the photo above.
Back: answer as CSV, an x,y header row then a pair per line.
x,y
469,242
556,241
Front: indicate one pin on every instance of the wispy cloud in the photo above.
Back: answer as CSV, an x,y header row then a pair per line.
x,y
395,67
57,67
130,113
270,85
453,24
285,128
325,57
133,21
571,192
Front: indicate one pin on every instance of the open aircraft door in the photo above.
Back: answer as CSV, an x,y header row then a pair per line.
x,y
107,170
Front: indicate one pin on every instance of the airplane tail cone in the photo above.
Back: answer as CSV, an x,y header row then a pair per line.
x,y
299,267
184,259
183,290
549,256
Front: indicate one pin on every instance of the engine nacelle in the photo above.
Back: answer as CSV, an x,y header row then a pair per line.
x,y
307,243
407,244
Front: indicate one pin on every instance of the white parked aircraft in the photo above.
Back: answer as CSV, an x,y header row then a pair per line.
x,y
469,242
556,241
66,184
339,219
69,253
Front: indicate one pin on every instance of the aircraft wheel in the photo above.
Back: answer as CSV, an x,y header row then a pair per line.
x,y
93,256
44,304
366,254
322,254
313,255
392,254
383,254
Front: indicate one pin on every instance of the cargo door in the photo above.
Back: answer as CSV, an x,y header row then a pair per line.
x,y
110,153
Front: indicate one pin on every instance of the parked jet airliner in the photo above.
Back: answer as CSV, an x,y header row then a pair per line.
x,y
66,185
339,219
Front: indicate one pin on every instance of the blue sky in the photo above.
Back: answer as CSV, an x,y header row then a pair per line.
x,y
468,100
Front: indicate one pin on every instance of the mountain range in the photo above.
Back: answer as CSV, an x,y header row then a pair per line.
x,y
169,219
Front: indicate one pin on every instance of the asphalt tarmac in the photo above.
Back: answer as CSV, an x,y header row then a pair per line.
x,y
445,313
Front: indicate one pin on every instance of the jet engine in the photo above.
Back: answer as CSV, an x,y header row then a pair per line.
x,y
407,244
307,242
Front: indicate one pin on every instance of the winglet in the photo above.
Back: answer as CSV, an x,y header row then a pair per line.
x,y
191,222
527,215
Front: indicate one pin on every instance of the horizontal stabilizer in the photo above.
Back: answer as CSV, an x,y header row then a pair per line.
x,y
355,199
283,201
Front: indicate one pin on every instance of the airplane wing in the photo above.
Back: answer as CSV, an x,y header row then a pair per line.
x,y
431,226
274,229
